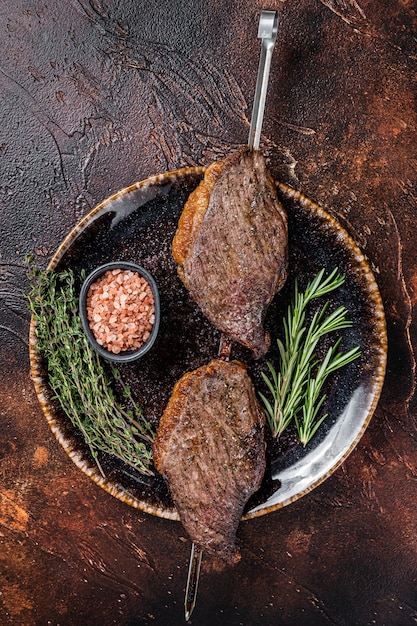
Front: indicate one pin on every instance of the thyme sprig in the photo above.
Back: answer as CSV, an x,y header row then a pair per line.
x,y
296,388
78,380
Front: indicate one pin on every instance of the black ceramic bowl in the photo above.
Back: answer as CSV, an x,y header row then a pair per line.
x,y
126,355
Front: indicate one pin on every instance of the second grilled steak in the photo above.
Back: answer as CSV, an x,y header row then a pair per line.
x,y
210,448
231,247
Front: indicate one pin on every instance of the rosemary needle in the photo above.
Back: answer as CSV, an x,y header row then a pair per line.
x,y
78,380
296,388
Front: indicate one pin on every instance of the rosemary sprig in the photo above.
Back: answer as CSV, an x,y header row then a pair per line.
x,y
296,388
309,422
78,380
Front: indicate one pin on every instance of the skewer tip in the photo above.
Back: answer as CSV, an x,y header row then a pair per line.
x,y
192,580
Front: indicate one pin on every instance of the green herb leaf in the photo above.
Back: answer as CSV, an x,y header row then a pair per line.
x,y
296,389
78,380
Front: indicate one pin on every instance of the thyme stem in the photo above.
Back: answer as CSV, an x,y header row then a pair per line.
x,y
78,380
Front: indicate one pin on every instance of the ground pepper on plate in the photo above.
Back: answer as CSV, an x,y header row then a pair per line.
x,y
121,310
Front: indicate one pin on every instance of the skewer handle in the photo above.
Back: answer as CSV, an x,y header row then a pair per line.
x,y
268,28
192,580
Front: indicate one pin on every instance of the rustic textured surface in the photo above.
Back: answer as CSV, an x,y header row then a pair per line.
x,y
97,94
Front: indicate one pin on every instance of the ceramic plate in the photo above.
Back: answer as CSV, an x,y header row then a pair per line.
x,y
137,224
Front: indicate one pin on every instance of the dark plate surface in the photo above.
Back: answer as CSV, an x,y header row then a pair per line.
x,y
137,224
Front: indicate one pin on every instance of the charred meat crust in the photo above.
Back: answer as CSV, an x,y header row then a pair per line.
x,y
231,247
210,448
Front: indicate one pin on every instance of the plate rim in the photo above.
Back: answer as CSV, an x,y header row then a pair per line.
x,y
114,488
380,323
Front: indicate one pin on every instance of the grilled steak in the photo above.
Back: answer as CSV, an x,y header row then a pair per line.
x,y
231,247
210,448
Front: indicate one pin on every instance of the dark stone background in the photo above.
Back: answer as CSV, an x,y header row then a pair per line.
x,y
97,94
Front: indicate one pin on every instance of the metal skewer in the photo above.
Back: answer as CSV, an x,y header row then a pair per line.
x,y
267,31
268,28
192,580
